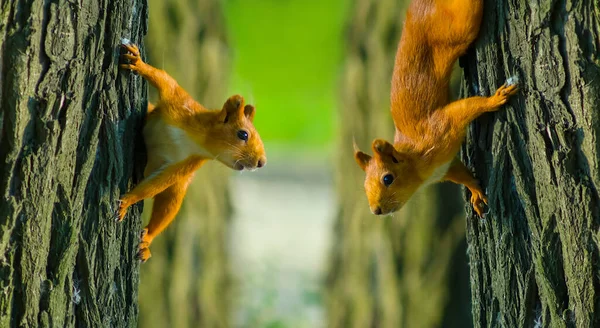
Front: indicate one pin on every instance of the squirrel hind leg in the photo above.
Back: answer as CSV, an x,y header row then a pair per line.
x,y
165,208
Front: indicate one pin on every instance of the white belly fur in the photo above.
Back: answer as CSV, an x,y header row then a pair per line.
x,y
438,174
168,144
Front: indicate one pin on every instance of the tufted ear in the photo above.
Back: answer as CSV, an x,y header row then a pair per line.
x,y
386,151
232,109
361,158
249,111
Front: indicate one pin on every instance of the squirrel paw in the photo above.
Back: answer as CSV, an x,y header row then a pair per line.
x,y
143,234
504,92
478,200
123,204
132,58
144,248
143,254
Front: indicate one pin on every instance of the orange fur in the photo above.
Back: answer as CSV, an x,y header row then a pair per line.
x,y
150,108
180,136
429,129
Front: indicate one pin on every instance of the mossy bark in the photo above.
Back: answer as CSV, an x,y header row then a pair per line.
x,y
405,271
535,258
69,146
186,283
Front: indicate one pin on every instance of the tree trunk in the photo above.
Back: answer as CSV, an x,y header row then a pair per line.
x,y
406,271
535,258
69,147
186,282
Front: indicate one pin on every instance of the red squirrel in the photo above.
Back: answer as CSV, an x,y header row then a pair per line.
x,y
180,136
429,128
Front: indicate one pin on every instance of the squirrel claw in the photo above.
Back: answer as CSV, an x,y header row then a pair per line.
x,y
478,200
143,234
125,66
508,89
131,59
504,92
143,254
121,210
131,48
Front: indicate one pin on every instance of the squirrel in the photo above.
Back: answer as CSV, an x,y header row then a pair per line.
x,y
429,128
180,136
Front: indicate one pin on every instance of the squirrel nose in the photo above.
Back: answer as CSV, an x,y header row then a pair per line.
x,y
376,210
261,162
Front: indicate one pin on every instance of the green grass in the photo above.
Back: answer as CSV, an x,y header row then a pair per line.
x,y
287,56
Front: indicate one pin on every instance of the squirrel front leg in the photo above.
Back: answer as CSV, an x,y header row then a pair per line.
x,y
460,174
166,85
165,208
159,181
462,112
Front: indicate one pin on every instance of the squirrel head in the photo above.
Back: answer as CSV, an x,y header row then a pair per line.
x,y
233,140
391,177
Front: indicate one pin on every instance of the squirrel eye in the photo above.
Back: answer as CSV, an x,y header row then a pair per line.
x,y
243,135
388,179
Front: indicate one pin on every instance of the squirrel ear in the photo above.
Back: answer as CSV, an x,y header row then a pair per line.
x,y
249,112
362,159
386,150
232,106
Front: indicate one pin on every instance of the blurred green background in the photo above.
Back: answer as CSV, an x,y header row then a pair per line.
x,y
293,244
287,56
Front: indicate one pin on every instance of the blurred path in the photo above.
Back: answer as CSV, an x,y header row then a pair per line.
x,y
279,242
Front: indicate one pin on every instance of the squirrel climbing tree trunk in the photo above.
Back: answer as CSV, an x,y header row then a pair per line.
x,y
535,258
69,146
186,281
409,270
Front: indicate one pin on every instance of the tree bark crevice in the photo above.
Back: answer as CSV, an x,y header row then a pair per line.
x,y
542,170
69,145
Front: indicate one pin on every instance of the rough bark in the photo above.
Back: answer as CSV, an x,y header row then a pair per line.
x,y
535,258
405,271
186,282
68,149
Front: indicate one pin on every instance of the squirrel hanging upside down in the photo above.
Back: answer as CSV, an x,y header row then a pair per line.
x,y
180,136
429,129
